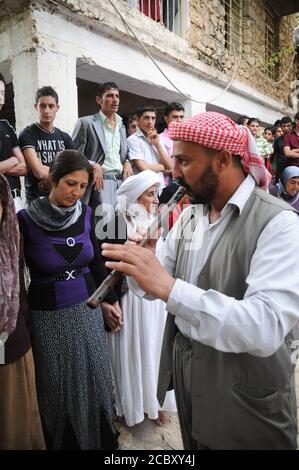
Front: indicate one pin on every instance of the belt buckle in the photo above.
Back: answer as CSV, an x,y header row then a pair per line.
x,y
67,275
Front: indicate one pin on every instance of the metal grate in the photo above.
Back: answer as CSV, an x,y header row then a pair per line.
x,y
269,44
233,24
166,12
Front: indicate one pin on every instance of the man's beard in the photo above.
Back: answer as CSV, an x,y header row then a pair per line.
x,y
207,183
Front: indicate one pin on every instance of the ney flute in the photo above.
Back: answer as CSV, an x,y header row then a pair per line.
x,y
107,285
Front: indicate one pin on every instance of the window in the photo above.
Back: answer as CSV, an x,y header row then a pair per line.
x,y
269,44
166,12
233,25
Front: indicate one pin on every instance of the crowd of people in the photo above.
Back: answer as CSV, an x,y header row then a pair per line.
x,y
225,269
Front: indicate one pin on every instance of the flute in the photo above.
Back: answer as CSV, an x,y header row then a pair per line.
x,y
107,285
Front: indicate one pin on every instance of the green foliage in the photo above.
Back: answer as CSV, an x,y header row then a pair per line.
x,y
275,57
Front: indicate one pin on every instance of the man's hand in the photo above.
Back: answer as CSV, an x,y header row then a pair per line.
x,y
142,265
164,158
98,180
113,316
127,170
153,137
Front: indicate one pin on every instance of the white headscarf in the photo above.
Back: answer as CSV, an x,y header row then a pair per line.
x,y
128,193
132,188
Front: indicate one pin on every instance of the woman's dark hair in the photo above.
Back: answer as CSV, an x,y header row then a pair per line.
x,y
3,198
67,162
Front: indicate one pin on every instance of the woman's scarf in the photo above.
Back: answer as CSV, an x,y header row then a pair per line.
x,y
52,218
9,267
288,173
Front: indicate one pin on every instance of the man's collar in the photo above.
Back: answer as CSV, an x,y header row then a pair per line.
x,y
117,117
45,130
139,133
242,193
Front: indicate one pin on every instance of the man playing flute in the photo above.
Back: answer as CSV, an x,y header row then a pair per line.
x,y
231,284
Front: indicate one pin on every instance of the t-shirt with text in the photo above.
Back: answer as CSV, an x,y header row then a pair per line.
x,y
47,145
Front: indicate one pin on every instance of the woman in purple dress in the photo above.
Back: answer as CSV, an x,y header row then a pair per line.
x,y
69,342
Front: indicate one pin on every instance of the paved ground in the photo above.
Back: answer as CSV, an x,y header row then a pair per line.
x,y
148,436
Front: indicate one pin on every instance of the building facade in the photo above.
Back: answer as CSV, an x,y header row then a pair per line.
x,y
207,54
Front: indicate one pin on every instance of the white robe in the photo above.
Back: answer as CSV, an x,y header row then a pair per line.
x,y
135,356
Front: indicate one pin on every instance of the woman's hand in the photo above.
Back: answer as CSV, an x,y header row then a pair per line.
x,y
112,315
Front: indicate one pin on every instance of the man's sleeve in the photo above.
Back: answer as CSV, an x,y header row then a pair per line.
x,y
135,149
13,136
27,139
68,141
286,141
258,323
79,136
123,136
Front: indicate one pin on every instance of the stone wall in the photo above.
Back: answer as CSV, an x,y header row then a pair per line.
x,y
205,40
206,36
91,33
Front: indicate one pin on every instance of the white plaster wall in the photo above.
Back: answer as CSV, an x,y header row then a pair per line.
x,y
139,71
32,70
44,48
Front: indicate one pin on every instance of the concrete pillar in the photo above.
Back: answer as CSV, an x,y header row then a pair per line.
x,y
192,108
32,70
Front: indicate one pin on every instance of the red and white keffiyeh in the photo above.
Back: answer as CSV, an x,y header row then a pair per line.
x,y
217,131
